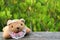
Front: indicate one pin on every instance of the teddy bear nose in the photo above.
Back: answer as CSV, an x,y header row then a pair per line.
x,y
17,27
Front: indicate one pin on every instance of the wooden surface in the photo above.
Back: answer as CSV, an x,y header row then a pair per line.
x,y
38,36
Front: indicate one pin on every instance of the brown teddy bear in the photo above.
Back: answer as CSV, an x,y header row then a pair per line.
x,y
15,29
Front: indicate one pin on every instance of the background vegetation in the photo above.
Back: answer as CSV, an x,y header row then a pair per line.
x,y
40,15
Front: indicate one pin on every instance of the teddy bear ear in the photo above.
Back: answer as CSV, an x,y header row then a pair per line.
x,y
22,20
8,22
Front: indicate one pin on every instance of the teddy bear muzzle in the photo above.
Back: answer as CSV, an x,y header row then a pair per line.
x,y
18,28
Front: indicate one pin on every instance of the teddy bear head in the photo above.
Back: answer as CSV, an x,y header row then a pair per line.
x,y
16,25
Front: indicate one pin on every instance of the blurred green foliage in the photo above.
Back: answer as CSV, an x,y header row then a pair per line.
x,y
40,15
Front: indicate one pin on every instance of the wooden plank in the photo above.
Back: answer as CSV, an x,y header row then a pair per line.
x,y
38,36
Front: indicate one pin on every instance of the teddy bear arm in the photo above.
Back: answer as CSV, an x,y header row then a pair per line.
x,y
6,35
5,32
27,30
5,28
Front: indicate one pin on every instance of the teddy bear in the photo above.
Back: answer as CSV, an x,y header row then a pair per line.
x,y
15,29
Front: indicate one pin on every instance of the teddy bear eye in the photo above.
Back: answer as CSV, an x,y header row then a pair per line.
x,y
12,26
21,24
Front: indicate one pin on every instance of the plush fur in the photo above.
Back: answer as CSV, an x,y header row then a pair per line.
x,y
14,26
